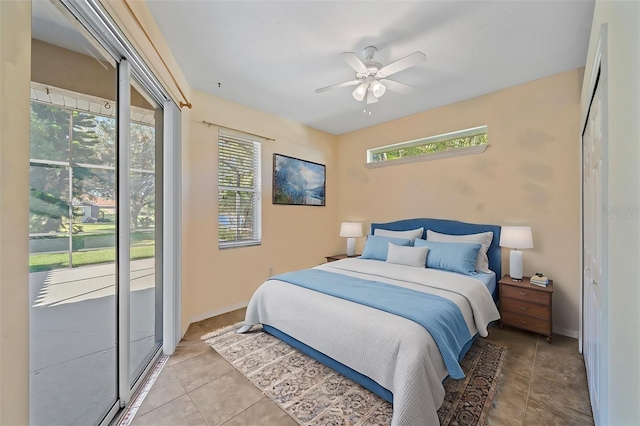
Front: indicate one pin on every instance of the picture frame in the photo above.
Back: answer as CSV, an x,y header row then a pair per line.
x,y
298,182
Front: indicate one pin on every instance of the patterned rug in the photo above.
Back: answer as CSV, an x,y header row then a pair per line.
x,y
314,394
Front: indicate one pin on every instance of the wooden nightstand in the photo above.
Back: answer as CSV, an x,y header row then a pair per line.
x,y
338,257
526,306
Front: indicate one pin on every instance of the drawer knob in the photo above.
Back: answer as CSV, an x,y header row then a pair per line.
x,y
523,308
523,321
523,293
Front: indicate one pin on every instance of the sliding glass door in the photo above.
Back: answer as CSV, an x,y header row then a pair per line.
x,y
145,201
96,218
72,235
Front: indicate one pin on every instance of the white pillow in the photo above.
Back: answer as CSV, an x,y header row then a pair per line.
x,y
407,235
407,255
484,238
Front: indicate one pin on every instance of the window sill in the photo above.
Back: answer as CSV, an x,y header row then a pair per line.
x,y
232,245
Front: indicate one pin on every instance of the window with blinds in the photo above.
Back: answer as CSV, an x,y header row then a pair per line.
x,y
239,218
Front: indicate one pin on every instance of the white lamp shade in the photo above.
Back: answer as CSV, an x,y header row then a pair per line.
x,y
516,237
371,98
360,91
351,229
378,89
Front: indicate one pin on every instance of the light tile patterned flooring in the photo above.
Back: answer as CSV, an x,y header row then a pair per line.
x,y
542,384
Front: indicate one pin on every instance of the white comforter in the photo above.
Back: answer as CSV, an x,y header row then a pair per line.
x,y
397,353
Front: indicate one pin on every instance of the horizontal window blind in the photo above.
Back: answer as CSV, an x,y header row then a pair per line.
x,y
239,221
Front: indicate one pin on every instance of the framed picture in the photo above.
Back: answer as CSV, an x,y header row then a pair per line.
x,y
298,182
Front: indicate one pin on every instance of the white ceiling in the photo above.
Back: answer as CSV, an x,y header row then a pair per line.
x,y
272,55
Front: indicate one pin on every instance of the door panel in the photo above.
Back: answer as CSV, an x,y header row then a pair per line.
x,y
145,188
592,250
72,330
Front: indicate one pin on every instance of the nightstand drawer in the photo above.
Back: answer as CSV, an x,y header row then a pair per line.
x,y
527,323
521,307
526,306
527,295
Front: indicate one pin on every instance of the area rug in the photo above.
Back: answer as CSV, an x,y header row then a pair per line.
x,y
314,394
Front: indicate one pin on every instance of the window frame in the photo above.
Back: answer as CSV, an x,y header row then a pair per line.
x,y
256,190
455,152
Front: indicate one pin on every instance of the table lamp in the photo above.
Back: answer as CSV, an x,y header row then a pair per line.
x,y
351,230
516,237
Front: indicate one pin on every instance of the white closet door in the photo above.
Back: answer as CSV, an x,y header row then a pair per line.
x,y
594,327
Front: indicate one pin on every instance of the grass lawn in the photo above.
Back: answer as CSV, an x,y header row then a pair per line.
x,y
47,262
97,227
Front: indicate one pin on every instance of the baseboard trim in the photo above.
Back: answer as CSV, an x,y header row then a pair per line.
x,y
184,329
217,312
565,332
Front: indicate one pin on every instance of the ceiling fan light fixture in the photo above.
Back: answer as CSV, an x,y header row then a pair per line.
x,y
378,89
368,74
360,92
371,98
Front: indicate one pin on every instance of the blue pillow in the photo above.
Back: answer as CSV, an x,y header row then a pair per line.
x,y
454,257
378,246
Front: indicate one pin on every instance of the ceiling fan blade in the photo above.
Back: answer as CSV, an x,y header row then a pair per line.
x,y
354,62
402,64
335,86
397,87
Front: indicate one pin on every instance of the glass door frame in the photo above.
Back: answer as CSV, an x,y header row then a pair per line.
x,y
123,243
94,18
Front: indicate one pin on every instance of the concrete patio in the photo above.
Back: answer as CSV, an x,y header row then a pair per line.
x,y
73,340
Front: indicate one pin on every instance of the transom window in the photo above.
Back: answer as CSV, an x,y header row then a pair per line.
x,y
463,142
239,221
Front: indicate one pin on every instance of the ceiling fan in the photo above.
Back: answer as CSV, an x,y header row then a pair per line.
x,y
372,78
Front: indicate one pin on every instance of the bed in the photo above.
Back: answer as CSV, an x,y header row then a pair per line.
x,y
389,343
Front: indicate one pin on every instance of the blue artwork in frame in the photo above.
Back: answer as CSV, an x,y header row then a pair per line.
x,y
298,182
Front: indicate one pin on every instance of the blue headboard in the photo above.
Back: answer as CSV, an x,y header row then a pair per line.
x,y
452,227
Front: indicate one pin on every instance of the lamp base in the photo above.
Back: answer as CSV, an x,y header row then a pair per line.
x,y
351,246
516,267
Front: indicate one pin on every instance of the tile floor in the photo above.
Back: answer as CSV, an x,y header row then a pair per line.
x,y
542,384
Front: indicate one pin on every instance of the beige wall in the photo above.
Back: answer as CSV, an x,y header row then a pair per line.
x,y
293,237
15,60
622,366
529,175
